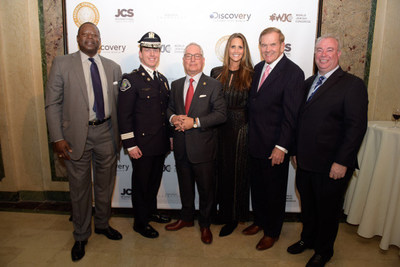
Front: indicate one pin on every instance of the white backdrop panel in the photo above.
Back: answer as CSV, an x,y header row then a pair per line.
x,y
123,22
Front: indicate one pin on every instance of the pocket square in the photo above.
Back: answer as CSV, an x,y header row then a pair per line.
x,y
201,96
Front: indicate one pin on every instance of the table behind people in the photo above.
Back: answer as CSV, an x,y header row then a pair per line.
x,y
372,200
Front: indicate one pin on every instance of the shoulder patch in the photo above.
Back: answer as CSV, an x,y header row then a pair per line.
x,y
124,85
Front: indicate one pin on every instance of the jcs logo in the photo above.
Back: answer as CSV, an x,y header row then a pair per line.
x,y
126,192
124,13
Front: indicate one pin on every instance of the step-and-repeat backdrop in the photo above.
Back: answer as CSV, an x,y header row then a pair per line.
x,y
209,23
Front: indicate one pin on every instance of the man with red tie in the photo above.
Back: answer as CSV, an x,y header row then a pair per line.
x,y
274,102
196,107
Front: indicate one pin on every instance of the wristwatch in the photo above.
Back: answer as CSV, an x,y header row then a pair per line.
x,y
194,123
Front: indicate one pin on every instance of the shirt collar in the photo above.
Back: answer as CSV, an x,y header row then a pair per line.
x,y
85,57
273,64
328,73
148,70
195,77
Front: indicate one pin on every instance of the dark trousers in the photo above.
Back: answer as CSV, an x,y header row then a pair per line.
x,y
146,178
321,206
202,175
268,194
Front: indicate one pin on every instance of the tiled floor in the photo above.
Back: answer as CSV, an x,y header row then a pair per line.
x,y
38,239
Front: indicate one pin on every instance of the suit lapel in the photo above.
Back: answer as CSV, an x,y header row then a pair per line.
x,y
110,80
180,102
273,75
79,74
326,86
199,91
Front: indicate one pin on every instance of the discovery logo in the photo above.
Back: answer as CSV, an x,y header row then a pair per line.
x,y
113,49
122,167
222,16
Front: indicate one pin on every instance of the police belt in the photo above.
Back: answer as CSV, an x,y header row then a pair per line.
x,y
98,122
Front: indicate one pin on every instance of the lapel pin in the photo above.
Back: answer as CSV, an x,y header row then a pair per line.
x,y
204,83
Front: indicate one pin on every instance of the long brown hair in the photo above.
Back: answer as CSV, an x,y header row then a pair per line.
x,y
245,72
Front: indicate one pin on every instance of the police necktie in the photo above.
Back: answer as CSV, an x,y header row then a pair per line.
x,y
265,75
98,106
317,85
189,96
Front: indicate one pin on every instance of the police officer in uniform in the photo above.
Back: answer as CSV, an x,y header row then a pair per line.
x,y
144,129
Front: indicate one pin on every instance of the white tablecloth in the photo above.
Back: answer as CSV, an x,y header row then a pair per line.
x,y
373,198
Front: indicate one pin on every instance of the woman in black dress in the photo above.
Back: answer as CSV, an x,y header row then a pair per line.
x,y
232,174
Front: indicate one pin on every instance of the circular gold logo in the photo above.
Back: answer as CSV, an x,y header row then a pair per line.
x,y
220,47
85,12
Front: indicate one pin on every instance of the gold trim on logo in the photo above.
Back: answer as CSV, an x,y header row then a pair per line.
x,y
86,12
220,47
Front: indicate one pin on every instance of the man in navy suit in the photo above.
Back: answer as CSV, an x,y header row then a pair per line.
x,y
274,101
331,126
196,107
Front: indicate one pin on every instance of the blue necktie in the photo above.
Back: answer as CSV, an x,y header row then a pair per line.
x,y
319,82
98,90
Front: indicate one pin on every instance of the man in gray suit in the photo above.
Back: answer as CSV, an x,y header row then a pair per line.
x,y
81,98
196,106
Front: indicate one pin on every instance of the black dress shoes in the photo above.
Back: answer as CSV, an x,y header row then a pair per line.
x,y
228,228
109,232
78,250
298,247
158,218
318,260
147,231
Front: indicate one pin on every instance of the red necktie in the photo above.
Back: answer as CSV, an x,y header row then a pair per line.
x,y
265,75
189,96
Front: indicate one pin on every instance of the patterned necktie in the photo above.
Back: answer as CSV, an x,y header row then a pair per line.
x,y
317,85
98,106
189,96
265,75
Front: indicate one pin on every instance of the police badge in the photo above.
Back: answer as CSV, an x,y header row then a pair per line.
x,y
125,85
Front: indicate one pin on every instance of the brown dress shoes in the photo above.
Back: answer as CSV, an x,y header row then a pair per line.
x,y
206,235
266,242
252,229
179,224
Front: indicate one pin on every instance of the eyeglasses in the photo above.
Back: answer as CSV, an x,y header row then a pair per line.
x,y
189,56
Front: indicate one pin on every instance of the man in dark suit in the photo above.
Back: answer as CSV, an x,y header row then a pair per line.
x,y
143,124
195,108
81,112
331,126
274,101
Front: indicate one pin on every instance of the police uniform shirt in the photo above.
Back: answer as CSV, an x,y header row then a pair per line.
x,y
137,119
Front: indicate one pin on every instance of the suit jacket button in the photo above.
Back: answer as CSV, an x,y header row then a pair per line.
x,y
143,134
